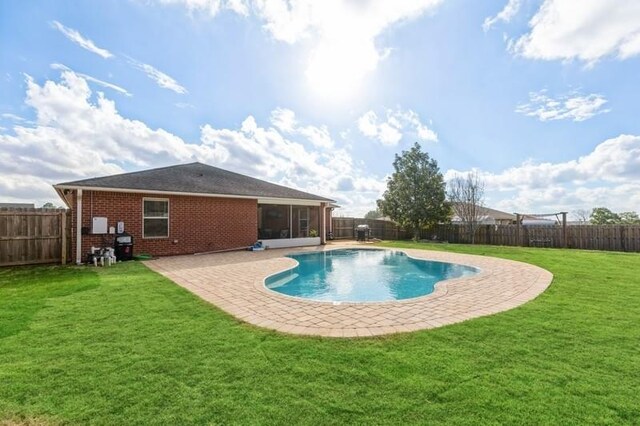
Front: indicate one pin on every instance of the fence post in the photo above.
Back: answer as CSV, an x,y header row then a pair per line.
x,y
565,236
63,233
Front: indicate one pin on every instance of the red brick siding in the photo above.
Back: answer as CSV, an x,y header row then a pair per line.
x,y
196,224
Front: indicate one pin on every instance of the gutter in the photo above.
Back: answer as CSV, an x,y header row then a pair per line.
x,y
273,200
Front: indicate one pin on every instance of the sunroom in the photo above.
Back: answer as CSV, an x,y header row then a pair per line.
x,y
289,225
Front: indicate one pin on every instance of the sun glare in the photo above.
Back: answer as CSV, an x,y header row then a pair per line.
x,y
337,70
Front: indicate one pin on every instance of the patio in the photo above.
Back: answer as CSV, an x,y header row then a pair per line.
x,y
234,282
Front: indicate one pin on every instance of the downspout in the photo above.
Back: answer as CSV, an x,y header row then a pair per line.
x,y
79,227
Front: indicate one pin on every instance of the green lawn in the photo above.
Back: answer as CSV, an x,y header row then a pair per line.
x,y
123,345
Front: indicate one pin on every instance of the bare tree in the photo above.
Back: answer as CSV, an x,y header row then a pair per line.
x,y
582,215
466,194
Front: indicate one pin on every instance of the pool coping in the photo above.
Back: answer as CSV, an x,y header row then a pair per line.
x,y
234,282
261,284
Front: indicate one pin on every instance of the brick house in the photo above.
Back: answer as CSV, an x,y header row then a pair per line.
x,y
191,208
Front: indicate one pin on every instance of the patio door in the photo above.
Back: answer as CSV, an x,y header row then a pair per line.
x,y
303,221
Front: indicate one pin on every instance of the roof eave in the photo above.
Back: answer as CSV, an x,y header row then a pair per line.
x,y
61,187
60,192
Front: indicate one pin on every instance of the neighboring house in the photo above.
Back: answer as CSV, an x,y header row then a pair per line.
x,y
487,216
191,208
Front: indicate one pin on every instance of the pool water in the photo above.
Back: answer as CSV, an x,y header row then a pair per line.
x,y
363,275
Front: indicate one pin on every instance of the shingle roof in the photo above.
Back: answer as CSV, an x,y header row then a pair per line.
x,y
495,214
194,178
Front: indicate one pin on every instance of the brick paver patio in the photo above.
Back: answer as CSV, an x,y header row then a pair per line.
x,y
234,282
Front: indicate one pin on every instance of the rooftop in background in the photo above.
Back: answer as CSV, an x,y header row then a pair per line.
x,y
493,213
17,205
193,178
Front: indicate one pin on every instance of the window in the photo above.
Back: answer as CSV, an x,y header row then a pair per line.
x,y
273,221
155,218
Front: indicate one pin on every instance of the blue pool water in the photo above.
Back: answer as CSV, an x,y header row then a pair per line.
x,y
362,275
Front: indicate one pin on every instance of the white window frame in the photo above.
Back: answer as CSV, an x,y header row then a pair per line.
x,y
156,217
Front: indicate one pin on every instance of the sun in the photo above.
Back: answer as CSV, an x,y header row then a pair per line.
x,y
337,69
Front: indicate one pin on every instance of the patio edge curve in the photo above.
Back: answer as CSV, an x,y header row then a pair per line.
x,y
234,282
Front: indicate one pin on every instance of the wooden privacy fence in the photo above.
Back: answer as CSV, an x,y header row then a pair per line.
x,y
588,237
30,236
345,227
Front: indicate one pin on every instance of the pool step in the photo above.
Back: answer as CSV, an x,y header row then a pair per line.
x,y
282,281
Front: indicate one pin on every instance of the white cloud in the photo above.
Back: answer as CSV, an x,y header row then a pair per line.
x,y
397,123
62,67
583,30
292,21
81,41
573,106
285,120
615,160
76,137
241,7
625,197
318,136
368,124
608,175
266,153
212,7
505,15
12,117
343,35
389,134
163,80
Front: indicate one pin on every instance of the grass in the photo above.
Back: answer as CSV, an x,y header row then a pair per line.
x,y
123,345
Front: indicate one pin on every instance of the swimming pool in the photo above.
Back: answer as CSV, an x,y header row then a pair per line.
x,y
362,275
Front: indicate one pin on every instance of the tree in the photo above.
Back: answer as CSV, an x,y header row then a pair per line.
x,y
604,216
629,218
466,194
373,214
415,195
582,215
49,205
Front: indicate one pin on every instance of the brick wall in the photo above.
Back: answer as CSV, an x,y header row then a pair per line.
x,y
196,224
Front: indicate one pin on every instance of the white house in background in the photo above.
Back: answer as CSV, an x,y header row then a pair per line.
x,y
488,216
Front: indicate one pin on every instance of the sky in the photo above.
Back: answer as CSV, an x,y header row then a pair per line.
x,y
539,97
